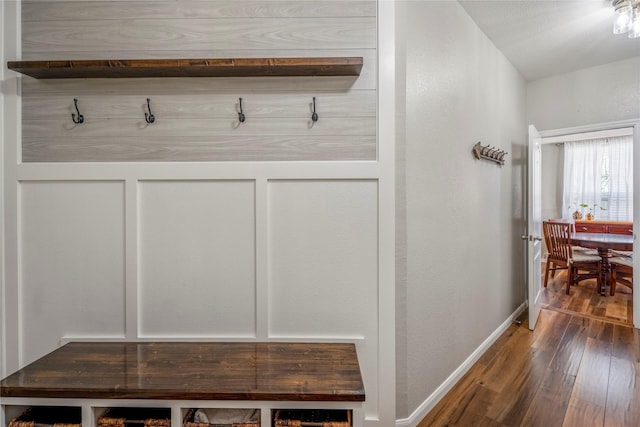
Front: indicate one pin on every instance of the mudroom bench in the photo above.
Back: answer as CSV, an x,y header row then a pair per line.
x,y
187,384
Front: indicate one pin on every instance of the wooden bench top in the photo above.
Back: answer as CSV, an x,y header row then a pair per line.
x,y
193,371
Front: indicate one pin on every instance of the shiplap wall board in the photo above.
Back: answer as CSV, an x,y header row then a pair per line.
x,y
60,10
197,117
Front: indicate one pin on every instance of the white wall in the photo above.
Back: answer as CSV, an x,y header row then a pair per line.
x,y
9,134
607,93
459,220
552,177
2,137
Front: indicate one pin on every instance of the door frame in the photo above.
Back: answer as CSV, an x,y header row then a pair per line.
x,y
635,125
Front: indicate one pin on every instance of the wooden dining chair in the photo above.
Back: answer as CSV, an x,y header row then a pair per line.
x,y
621,272
575,248
552,267
580,266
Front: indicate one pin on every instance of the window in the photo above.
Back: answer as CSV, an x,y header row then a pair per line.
x,y
598,178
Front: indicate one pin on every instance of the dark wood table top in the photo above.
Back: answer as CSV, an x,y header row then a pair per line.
x,y
193,371
619,242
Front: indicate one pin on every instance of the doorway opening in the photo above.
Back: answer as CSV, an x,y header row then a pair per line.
x,y
559,202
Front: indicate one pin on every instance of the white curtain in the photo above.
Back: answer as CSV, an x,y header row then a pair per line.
x,y
598,173
620,197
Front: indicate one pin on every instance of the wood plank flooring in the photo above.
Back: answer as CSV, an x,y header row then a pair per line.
x,y
572,371
580,367
585,301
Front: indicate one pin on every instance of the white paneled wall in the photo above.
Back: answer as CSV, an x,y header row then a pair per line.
x,y
72,256
198,227
322,247
323,265
197,274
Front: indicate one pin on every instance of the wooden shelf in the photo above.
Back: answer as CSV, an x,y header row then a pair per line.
x,y
203,67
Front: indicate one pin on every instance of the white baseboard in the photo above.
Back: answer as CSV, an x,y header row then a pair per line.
x,y
453,379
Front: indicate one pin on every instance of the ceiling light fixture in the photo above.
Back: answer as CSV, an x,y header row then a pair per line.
x,y
626,17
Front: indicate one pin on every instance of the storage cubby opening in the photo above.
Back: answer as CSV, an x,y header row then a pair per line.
x,y
222,417
311,418
135,417
45,416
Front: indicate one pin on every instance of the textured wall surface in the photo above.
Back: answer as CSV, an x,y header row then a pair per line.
x,y
607,93
460,272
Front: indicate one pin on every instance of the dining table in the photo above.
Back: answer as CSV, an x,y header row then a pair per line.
x,y
605,243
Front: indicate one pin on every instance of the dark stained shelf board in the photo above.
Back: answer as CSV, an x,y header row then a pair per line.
x,y
193,371
203,67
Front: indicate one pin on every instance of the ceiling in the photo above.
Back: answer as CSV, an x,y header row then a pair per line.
x,y
542,38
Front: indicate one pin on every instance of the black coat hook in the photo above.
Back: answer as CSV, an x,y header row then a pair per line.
x,y
149,118
80,118
314,116
241,116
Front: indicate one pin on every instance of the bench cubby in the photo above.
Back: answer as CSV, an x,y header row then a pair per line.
x,y
222,417
45,416
311,418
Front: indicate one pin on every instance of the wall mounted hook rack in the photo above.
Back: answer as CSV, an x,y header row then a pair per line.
x,y
489,153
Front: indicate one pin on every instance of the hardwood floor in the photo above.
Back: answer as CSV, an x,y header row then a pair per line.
x,y
580,367
572,371
585,301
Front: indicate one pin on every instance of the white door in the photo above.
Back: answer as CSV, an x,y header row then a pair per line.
x,y
534,226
